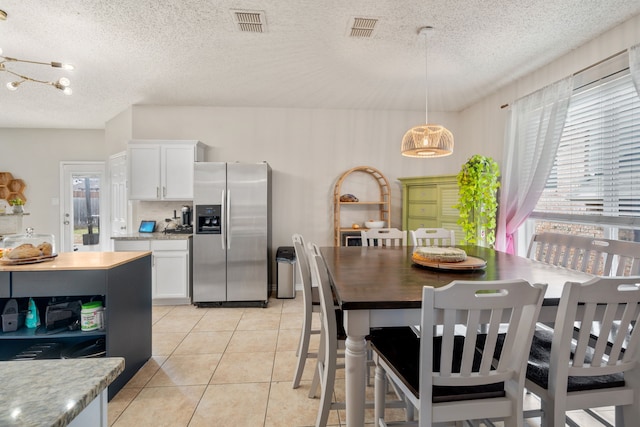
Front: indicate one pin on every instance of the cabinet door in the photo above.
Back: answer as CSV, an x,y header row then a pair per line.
x,y
177,172
170,274
144,172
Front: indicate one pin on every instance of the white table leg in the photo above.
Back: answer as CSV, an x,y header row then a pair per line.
x,y
356,324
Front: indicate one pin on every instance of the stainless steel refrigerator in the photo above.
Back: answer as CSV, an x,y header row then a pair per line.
x,y
232,233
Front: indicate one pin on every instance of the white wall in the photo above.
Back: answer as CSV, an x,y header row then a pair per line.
x,y
34,155
308,149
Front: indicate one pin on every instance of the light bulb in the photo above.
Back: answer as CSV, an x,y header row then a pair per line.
x,y
0,51
68,67
13,86
64,82
62,65
67,91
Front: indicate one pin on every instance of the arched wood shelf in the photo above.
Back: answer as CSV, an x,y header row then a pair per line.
x,y
384,202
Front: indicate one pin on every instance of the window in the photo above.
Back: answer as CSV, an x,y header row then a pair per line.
x,y
595,181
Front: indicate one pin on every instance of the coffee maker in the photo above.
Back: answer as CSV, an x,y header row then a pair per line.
x,y
186,215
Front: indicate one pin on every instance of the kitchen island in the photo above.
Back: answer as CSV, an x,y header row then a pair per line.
x,y
52,393
122,280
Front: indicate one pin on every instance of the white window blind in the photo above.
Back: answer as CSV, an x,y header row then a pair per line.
x,y
596,174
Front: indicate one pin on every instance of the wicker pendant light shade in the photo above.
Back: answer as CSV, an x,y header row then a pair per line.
x,y
427,140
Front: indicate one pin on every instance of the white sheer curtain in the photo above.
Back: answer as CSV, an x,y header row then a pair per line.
x,y
634,66
532,136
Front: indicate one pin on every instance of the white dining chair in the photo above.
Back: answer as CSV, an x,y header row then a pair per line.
x,y
570,371
384,237
432,237
451,377
311,305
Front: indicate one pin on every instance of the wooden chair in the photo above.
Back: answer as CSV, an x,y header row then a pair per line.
x,y
570,371
311,304
383,237
331,333
601,257
451,377
432,237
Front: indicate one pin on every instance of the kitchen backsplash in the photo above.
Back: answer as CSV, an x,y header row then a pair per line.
x,y
158,211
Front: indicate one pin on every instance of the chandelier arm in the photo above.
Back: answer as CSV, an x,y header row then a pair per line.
x,y
25,78
50,64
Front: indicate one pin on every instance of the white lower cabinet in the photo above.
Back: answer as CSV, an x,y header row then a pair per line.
x,y
171,274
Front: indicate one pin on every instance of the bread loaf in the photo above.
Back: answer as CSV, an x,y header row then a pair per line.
x,y
439,254
26,250
45,248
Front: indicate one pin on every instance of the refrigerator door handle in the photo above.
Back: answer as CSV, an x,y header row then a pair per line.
x,y
223,226
228,219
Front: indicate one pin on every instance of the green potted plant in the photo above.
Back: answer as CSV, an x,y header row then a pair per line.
x,y
478,183
17,204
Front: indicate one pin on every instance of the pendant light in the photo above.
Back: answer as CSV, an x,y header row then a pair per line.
x,y
428,140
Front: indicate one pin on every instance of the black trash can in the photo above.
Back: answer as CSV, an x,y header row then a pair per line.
x,y
286,267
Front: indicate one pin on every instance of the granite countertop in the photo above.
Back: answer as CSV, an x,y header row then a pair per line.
x,y
153,236
52,392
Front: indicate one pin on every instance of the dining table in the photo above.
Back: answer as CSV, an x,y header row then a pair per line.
x,y
382,286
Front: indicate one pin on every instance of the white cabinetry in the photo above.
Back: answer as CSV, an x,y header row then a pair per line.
x,y
171,268
162,170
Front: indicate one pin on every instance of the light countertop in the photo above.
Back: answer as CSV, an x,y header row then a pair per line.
x,y
52,392
153,236
78,261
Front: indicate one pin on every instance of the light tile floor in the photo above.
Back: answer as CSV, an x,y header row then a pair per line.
x,y
230,367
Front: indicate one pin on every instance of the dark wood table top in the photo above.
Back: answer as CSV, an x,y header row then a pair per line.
x,y
387,278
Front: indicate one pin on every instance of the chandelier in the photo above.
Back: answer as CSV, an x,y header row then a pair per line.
x,y
62,83
428,140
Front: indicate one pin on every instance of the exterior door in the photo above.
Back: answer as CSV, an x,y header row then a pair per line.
x,y
82,202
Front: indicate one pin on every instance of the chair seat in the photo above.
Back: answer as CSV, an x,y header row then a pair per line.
x,y
538,367
400,349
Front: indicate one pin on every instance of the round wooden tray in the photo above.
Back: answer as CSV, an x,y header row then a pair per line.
x,y
471,263
33,260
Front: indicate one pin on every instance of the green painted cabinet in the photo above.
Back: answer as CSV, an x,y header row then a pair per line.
x,y
427,201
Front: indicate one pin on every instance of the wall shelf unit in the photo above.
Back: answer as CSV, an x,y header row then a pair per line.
x,y
382,203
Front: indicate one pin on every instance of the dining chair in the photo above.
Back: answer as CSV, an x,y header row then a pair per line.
x,y
310,303
601,257
384,237
452,377
570,371
331,333
432,237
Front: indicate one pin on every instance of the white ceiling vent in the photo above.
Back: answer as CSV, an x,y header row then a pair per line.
x,y
362,27
250,21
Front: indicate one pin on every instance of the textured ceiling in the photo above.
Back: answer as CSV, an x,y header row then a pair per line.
x,y
189,52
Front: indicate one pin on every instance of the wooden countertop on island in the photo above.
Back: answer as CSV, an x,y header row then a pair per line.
x,y
67,261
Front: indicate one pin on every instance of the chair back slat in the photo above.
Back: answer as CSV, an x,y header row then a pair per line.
x,y
601,257
482,310
432,237
607,305
304,270
387,237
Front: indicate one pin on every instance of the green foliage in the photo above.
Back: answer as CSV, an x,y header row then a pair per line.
x,y
16,202
477,186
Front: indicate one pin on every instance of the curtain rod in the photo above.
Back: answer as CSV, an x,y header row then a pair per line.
x,y
587,68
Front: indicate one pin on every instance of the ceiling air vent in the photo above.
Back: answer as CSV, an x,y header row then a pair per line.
x,y
362,27
250,21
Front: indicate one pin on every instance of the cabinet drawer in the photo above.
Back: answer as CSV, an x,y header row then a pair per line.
x,y
54,283
169,245
423,193
4,284
423,210
415,223
131,245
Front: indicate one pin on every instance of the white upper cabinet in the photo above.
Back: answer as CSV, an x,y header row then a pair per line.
x,y
161,169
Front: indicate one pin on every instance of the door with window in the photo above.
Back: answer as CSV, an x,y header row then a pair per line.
x,y
82,205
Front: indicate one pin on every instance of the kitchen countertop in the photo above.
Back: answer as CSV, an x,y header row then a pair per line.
x,y
52,392
153,236
78,261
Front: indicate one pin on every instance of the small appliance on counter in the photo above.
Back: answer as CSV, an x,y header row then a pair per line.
x,y
186,215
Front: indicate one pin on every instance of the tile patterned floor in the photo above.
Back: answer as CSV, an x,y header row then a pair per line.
x,y
230,367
